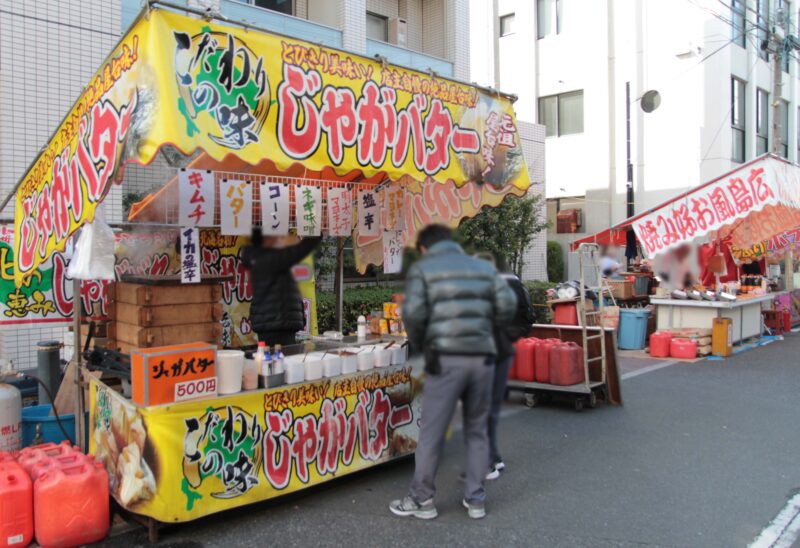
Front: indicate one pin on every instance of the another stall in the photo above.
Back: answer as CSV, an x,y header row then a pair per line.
x,y
747,208
267,131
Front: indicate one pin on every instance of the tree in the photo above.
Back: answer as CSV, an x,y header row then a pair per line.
x,y
506,230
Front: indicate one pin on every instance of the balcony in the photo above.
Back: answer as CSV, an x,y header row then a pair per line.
x,y
280,23
408,58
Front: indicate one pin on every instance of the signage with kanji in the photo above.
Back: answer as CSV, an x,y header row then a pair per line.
x,y
394,205
236,207
392,251
195,198
308,210
369,213
166,374
190,256
340,212
274,209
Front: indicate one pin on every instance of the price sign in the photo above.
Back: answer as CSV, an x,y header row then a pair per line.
x,y
165,374
198,388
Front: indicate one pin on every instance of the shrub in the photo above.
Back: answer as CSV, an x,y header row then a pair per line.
x,y
538,290
355,302
555,262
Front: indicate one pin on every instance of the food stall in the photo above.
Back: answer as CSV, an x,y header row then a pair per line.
x,y
737,211
271,132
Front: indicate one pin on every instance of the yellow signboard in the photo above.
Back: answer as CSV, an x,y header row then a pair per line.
x,y
195,84
182,461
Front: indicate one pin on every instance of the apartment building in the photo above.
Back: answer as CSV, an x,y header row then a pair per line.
x,y
571,62
49,49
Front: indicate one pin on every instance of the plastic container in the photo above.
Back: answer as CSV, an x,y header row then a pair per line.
x,y
349,360
383,357
566,364
65,461
787,321
366,359
542,354
295,370
250,375
39,415
565,314
36,455
633,328
230,367
526,361
70,505
399,355
683,348
331,365
16,505
313,367
659,344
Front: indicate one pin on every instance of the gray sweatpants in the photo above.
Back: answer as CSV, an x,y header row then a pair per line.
x,y
469,379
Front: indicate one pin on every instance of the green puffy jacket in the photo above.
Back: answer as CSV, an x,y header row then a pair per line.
x,y
453,303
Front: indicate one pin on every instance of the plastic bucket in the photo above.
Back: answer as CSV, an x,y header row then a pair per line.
x,y
230,366
48,427
633,328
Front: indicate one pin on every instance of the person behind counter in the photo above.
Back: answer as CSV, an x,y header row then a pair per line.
x,y
609,265
276,312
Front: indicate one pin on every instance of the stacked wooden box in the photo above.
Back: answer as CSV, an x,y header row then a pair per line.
x,y
143,315
700,335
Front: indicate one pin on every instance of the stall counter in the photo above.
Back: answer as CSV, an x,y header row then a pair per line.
x,y
744,312
181,461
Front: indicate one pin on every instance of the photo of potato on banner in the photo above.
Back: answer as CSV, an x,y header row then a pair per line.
x,y
196,84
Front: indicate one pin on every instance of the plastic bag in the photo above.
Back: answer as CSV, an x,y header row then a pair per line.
x,y
93,258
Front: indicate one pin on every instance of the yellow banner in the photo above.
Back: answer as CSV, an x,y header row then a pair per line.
x,y
182,461
196,84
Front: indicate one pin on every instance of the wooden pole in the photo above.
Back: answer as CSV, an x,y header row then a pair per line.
x,y
338,281
80,434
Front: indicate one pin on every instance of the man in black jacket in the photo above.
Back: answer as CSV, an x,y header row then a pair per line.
x,y
453,304
276,312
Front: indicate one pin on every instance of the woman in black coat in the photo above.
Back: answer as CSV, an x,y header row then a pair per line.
x,y
276,312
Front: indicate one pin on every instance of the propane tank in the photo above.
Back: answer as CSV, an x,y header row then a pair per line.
x,y
10,418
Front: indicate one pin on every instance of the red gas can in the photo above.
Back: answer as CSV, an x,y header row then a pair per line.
x,y
659,344
543,359
65,461
70,505
16,505
565,314
526,366
683,348
31,456
567,367
787,321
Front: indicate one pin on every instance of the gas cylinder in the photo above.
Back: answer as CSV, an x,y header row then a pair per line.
x,y
526,366
567,367
70,505
16,506
659,344
10,418
543,359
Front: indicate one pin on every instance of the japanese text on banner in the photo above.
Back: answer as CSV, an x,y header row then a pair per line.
x,y
195,198
394,205
236,207
274,209
308,210
369,214
190,253
340,212
392,251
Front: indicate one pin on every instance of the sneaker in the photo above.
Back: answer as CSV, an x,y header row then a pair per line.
x,y
409,507
474,510
499,465
493,474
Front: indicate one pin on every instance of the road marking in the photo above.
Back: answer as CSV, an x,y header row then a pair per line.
x,y
782,531
648,369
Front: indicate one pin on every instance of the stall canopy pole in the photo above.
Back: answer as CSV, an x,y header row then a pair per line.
x,y
80,434
788,269
338,281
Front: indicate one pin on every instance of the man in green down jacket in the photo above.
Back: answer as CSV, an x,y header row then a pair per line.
x,y
453,303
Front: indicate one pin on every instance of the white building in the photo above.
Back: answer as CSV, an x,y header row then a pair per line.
x,y
570,60
49,49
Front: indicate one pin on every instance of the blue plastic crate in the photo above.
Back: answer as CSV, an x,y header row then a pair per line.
x,y
50,432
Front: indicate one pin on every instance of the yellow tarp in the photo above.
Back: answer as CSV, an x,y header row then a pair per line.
x,y
196,84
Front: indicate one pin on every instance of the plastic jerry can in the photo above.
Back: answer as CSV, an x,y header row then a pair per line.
x,y
683,348
565,314
65,461
567,367
16,505
543,359
526,366
30,458
659,344
722,337
70,505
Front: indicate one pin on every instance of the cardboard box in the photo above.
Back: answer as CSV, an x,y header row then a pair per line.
x,y
166,374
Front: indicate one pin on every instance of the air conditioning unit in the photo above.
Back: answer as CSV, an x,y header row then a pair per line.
x,y
398,32
568,221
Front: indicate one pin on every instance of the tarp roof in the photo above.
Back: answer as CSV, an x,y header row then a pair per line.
x,y
749,204
196,84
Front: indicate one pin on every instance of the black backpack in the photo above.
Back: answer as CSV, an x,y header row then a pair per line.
x,y
524,315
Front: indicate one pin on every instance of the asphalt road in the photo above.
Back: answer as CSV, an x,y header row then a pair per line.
x,y
702,454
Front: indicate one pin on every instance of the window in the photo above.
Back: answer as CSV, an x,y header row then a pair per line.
x,y
762,22
547,13
738,119
283,6
562,114
762,121
783,128
738,19
507,24
377,27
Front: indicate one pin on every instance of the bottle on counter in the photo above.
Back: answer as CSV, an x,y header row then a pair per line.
x,y
361,330
250,374
277,360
